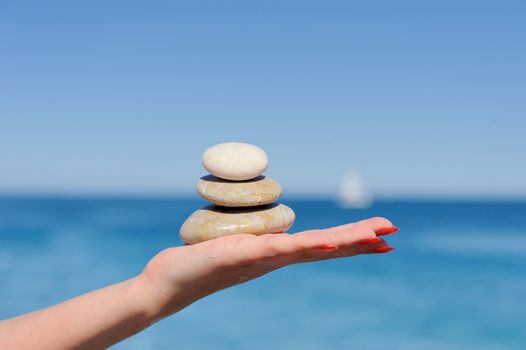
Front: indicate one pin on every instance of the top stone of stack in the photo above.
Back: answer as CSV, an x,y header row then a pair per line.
x,y
235,161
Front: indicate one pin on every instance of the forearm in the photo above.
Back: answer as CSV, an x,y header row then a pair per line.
x,y
95,320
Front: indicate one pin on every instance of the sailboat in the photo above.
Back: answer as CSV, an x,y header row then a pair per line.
x,y
352,192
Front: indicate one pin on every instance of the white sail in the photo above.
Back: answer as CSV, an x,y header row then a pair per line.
x,y
352,192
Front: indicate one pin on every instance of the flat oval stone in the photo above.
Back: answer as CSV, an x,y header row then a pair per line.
x,y
214,221
249,193
235,161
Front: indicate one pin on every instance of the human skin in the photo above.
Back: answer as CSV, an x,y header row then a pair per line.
x,y
178,276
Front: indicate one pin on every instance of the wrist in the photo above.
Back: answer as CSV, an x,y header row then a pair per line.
x,y
146,298
156,302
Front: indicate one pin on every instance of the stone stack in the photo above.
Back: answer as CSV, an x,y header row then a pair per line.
x,y
242,198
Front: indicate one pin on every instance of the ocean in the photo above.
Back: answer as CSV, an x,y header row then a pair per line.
x,y
457,279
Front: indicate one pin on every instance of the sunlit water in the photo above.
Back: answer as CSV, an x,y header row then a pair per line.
x,y
457,279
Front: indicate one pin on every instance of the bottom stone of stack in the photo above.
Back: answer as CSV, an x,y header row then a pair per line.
x,y
214,221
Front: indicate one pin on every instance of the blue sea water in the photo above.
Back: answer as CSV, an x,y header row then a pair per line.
x,y
457,279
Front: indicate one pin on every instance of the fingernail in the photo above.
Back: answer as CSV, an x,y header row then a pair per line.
x,y
369,241
328,247
387,231
384,249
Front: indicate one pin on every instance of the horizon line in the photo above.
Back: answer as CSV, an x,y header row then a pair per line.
x,y
292,196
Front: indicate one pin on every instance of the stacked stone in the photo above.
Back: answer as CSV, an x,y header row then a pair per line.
x,y
242,198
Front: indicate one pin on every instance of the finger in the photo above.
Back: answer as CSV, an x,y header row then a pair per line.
x,y
314,244
338,238
272,246
375,224
345,248
377,247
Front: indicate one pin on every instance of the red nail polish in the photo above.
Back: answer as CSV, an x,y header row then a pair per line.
x,y
384,249
369,241
328,247
387,231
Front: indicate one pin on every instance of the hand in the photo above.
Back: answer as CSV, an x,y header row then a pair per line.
x,y
181,275
175,278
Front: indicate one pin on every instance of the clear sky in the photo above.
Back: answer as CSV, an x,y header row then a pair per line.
x,y
424,98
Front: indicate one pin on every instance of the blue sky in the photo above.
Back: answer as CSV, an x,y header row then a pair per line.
x,y
423,98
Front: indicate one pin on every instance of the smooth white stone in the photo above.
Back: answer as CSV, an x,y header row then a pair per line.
x,y
213,221
235,161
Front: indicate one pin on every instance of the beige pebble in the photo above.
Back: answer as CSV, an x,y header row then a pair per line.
x,y
235,161
213,221
258,191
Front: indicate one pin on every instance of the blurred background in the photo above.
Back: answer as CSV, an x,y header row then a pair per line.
x,y
411,110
